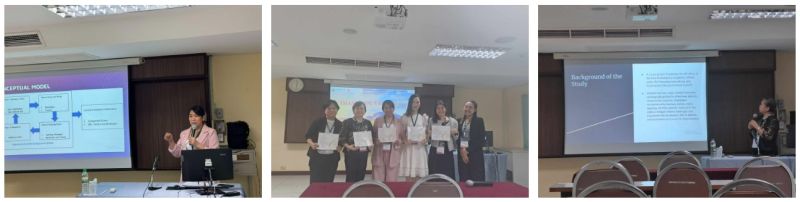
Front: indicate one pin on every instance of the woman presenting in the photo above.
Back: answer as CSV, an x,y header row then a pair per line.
x,y
197,136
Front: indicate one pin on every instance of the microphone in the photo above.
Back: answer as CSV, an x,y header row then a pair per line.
x,y
194,127
152,175
150,185
471,183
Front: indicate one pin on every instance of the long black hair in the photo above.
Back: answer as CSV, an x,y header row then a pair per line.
x,y
770,103
440,102
410,104
474,114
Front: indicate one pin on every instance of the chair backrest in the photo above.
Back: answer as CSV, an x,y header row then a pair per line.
x,y
636,168
677,157
752,188
771,170
436,185
682,180
368,189
587,177
612,188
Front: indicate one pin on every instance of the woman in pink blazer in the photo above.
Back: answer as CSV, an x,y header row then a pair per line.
x,y
197,136
386,156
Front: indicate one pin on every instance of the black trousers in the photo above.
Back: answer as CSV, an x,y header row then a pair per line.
x,y
441,163
474,169
323,166
355,165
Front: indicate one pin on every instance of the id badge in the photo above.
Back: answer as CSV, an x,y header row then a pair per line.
x,y
464,144
439,150
387,146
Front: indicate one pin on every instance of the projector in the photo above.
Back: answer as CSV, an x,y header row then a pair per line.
x,y
391,17
642,13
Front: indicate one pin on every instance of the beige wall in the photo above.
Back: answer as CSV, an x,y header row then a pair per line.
x,y
235,86
512,115
785,84
491,106
785,78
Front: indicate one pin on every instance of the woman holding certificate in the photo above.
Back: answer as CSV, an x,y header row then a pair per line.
x,y
414,159
443,130
386,155
323,138
471,136
357,140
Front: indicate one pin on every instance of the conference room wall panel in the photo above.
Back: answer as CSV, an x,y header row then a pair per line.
x,y
430,93
162,90
551,106
303,107
736,82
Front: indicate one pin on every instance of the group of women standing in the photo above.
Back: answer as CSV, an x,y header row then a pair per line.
x,y
401,146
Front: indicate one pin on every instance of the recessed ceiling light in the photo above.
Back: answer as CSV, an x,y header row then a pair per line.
x,y
350,31
505,39
752,14
459,51
74,11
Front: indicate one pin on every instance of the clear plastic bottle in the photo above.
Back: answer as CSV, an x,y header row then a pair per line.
x,y
84,182
713,145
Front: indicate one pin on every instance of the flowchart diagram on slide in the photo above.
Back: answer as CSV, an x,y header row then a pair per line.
x,y
51,120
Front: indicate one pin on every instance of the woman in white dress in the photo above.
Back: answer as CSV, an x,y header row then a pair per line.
x,y
414,158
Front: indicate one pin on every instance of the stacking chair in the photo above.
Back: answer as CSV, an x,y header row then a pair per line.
x,y
749,187
675,157
368,189
612,188
771,170
436,185
587,176
682,180
636,168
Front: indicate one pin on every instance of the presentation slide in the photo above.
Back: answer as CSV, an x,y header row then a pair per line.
x,y
635,106
71,119
372,97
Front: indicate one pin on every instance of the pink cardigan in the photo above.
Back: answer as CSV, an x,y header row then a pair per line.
x,y
207,138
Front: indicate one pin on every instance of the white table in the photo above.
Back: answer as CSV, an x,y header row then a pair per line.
x,y
136,189
739,161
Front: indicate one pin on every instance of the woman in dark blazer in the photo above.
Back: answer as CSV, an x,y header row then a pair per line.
x,y
323,163
764,129
471,135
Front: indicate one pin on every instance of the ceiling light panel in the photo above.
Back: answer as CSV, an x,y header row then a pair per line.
x,y
76,11
752,14
459,51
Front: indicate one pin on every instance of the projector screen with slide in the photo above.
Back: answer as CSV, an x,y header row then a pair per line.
x,y
615,106
372,96
67,119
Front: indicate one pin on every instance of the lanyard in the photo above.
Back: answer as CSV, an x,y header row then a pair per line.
x,y
414,121
329,127
387,124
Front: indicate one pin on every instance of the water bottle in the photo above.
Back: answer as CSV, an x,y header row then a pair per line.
x,y
84,182
713,145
